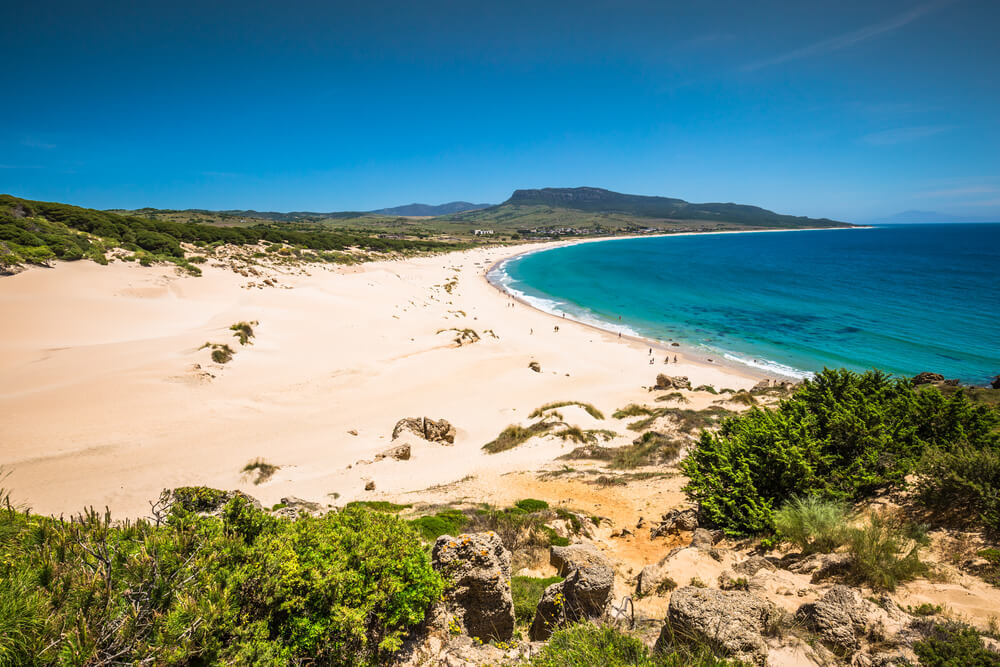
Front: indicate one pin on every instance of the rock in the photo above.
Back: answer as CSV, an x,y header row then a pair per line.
x,y
843,619
751,565
822,566
675,344
996,382
478,569
762,385
668,382
675,521
426,428
732,622
705,539
535,366
624,532
398,452
352,432
583,594
660,577
927,378
370,485
299,504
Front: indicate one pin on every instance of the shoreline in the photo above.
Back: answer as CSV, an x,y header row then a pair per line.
x,y
683,349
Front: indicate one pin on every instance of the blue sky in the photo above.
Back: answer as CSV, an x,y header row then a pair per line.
x,y
849,110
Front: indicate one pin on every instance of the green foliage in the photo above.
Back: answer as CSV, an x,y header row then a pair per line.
x,y
631,410
198,498
841,435
531,505
926,609
243,331
433,526
954,645
587,645
650,448
379,506
514,435
813,524
963,482
591,410
527,591
243,588
885,552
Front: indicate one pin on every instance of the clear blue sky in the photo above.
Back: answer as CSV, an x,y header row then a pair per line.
x,y
849,110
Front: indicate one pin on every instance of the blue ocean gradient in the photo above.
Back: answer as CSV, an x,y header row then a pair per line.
x,y
903,298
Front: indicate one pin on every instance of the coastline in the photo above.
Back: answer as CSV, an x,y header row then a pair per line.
x,y
683,349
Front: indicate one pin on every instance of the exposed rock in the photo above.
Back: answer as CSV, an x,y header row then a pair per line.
x,y
995,384
822,566
660,577
352,432
478,569
398,452
535,366
370,485
668,382
302,506
751,565
762,385
584,593
675,521
705,539
426,428
732,622
927,378
843,619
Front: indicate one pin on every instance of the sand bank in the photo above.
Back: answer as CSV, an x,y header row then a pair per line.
x,y
106,397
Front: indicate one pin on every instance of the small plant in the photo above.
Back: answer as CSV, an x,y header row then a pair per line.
x,y
885,552
631,410
514,435
221,354
954,644
591,410
243,331
263,469
531,505
527,591
813,524
697,583
926,609
674,396
379,506
706,387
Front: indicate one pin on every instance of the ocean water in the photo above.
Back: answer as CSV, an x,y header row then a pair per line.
x,y
903,298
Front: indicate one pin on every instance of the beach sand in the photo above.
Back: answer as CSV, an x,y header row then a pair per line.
x,y
106,397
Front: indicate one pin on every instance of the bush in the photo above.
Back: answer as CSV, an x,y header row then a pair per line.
x,y
527,591
954,645
433,526
514,435
243,331
841,435
963,482
531,505
244,588
264,470
587,645
885,552
813,524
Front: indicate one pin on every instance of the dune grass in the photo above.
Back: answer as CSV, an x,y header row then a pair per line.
x,y
244,332
591,410
262,468
514,435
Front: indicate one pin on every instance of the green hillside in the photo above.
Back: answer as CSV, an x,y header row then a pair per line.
x,y
585,209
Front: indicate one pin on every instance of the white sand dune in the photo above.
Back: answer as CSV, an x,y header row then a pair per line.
x,y
101,402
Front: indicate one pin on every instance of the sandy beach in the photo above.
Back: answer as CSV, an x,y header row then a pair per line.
x,y
107,399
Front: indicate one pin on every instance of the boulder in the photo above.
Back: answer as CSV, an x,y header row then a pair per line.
x,y
705,539
667,382
583,594
678,567
927,378
370,485
733,623
995,384
535,366
428,429
843,619
397,452
822,566
675,521
751,565
477,567
762,385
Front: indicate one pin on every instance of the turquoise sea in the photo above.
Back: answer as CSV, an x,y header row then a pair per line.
x,y
903,298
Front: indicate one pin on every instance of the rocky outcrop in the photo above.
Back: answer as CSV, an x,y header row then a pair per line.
x,y
995,384
705,539
675,521
668,382
733,623
844,619
583,594
428,429
397,452
822,566
477,567
927,378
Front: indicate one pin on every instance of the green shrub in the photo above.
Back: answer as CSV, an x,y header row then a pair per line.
x,y
885,552
813,524
963,482
527,591
198,498
588,645
431,527
532,505
379,506
631,410
243,331
514,435
955,645
650,448
841,435
262,468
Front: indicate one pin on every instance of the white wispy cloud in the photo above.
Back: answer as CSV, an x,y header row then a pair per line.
x,y
902,135
851,38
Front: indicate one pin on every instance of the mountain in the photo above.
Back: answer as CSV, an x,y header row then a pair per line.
x,y
431,210
589,207
912,217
